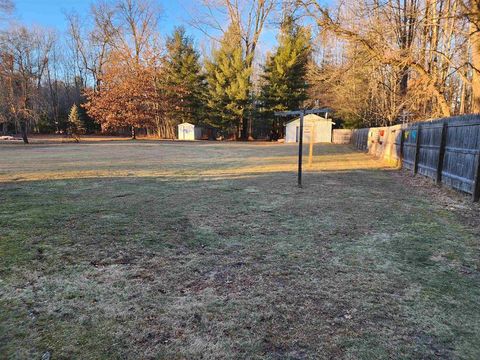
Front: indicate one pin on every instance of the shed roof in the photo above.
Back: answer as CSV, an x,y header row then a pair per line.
x,y
310,118
186,124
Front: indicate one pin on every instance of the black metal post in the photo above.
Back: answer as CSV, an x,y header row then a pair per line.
x,y
302,113
300,151
441,153
402,146
417,150
476,181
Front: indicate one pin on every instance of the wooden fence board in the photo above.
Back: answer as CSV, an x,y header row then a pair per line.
x,y
446,150
342,136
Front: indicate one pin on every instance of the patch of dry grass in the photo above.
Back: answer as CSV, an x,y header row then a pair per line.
x,y
209,250
167,160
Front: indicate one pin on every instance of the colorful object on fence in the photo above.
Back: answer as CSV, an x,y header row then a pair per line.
x,y
414,135
453,161
382,133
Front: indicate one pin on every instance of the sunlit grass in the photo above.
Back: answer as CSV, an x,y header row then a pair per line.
x,y
157,250
165,160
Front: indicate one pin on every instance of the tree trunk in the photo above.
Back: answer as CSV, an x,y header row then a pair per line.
x,y
134,134
244,134
23,127
475,43
404,81
250,128
463,94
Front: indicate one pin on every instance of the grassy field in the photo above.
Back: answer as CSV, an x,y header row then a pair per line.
x,y
208,250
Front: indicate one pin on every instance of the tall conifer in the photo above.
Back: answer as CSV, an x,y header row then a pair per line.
x,y
228,77
284,77
184,78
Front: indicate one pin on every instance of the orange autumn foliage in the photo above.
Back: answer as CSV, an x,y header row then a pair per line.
x,y
129,94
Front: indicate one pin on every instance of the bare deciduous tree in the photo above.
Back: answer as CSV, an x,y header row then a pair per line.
x,y
412,54
25,57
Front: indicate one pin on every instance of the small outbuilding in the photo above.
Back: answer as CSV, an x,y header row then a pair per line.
x,y
187,131
313,125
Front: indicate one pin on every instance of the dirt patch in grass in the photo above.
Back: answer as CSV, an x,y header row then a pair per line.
x,y
210,251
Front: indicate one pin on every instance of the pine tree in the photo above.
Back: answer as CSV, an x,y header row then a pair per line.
x,y
75,124
184,80
228,77
284,74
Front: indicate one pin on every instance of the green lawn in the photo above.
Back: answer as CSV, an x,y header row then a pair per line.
x,y
208,250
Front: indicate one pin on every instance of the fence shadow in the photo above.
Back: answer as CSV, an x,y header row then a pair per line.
x,y
446,150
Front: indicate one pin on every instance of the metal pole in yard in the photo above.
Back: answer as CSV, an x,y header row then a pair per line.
x,y
300,151
301,113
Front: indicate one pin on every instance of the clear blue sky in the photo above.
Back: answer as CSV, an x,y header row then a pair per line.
x,y
50,13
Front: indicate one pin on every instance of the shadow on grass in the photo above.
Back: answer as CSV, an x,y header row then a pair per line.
x,y
234,264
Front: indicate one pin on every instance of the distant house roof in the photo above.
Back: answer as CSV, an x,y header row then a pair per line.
x,y
327,110
185,124
310,118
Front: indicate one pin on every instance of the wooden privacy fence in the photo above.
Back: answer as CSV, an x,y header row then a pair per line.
x,y
342,136
446,150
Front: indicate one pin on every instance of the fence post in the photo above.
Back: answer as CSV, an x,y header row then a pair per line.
x,y
441,153
402,142
476,182
417,150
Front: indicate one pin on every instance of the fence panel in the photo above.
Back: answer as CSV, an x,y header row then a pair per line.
x,y
461,155
409,147
342,136
429,151
446,150
360,139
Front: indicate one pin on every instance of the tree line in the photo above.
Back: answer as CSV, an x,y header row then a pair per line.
x,y
374,62
383,62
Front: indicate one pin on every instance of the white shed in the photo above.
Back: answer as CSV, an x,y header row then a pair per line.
x,y
187,131
320,127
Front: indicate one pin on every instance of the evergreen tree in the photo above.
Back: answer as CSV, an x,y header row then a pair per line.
x,y
184,80
284,77
89,124
75,124
228,77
